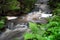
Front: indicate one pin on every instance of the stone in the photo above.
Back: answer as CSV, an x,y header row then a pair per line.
x,y
11,34
11,17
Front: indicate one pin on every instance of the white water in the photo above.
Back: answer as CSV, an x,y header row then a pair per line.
x,y
34,16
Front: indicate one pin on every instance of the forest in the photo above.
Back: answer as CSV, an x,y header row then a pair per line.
x,y
29,25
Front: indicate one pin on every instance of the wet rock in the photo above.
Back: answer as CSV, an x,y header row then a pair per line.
x,y
12,34
46,15
45,8
14,25
33,16
42,1
11,17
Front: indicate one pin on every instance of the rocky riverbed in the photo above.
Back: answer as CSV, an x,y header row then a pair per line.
x,y
17,26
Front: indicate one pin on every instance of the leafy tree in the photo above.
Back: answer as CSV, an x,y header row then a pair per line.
x,y
16,6
7,5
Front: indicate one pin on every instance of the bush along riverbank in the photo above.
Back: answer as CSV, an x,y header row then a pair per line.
x,y
16,7
55,6
49,31
2,24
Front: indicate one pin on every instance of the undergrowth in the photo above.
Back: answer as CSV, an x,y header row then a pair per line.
x,y
49,31
55,6
2,22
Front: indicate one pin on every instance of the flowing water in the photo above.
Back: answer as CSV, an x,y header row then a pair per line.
x,y
17,26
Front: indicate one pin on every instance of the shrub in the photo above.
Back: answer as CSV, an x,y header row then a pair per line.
x,y
27,5
23,6
2,22
49,31
55,6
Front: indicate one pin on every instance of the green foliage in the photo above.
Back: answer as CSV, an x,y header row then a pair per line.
x,y
33,27
36,33
49,31
12,4
54,3
8,5
23,6
55,18
56,11
28,5
1,24
15,38
55,6
29,36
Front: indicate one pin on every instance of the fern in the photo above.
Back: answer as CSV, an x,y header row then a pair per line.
x,y
47,31
1,24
